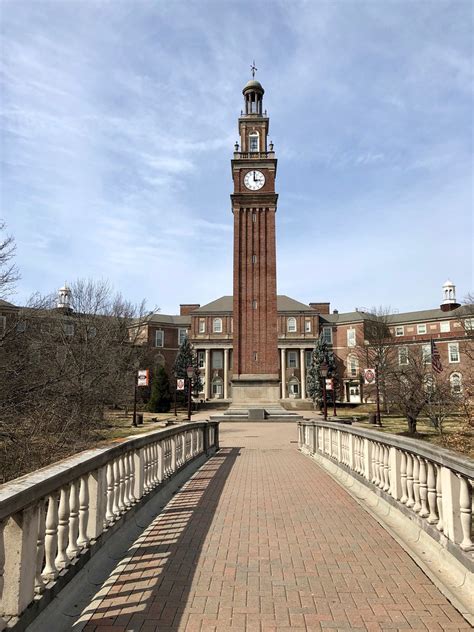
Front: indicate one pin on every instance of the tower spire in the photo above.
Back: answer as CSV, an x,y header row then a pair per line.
x,y
253,69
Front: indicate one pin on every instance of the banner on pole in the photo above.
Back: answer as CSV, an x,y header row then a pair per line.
x,y
369,376
329,384
143,378
180,385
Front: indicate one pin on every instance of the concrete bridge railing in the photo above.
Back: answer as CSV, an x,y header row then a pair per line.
x,y
51,520
429,484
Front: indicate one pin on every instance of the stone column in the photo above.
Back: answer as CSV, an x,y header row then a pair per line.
x,y
207,373
283,385
303,374
226,373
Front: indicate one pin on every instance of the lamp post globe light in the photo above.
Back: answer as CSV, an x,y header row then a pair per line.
x,y
190,373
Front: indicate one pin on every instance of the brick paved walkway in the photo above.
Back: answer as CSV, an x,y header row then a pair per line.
x,y
262,539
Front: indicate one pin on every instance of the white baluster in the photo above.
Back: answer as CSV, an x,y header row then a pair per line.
x,y
110,513
386,472
403,476
126,468
439,498
73,548
411,498
115,465
431,484
62,559
83,539
121,499
39,581
416,483
50,571
465,506
131,477
424,511
375,469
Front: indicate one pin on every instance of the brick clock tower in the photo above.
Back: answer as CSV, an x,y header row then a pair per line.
x,y
256,379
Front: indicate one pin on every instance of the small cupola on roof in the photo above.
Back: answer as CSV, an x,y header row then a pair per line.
x,y
64,297
449,296
253,96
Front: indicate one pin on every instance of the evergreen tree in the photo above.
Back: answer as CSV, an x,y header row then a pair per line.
x,y
186,357
321,355
160,399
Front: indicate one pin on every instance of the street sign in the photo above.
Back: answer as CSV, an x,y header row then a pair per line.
x,y
180,385
369,376
143,378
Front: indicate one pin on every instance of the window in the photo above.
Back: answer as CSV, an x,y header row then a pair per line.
x,y
255,356
182,335
217,325
403,356
254,258
253,141
217,359
20,327
201,359
291,325
68,329
421,329
327,335
399,330
429,383
308,357
160,360
352,366
3,323
307,326
293,386
426,354
455,381
254,304
202,325
292,359
217,387
351,337
453,351
159,338
254,217
445,326
469,324
91,332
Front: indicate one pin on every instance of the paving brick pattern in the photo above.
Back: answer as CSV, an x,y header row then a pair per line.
x,y
261,539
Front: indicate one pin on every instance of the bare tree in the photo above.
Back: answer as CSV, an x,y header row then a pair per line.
x,y
8,271
378,349
60,368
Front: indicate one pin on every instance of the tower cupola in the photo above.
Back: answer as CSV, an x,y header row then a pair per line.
x,y
449,296
253,96
64,297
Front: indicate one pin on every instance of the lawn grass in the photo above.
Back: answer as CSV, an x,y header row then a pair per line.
x,y
118,425
457,435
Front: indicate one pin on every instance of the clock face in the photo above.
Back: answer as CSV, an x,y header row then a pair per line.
x,y
254,180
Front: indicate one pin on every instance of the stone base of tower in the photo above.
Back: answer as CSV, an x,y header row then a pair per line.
x,y
256,398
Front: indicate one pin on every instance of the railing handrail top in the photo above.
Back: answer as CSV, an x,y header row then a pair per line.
x,y
441,456
22,492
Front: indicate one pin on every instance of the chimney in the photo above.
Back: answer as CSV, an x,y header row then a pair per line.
x,y
320,308
187,308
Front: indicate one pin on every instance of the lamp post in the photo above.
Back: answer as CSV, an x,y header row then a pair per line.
x,y
190,373
323,371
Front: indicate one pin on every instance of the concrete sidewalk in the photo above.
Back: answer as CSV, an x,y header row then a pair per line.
x,y
262,539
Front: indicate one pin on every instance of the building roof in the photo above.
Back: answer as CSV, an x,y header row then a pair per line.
x,y
406,317
166,319
5,303
253,84
225,304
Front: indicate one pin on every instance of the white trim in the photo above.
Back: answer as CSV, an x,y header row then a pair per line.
x,y
454,346
419,329
399,330
291,326
217,325
162,336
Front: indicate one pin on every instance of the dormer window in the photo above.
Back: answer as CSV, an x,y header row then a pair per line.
x,y
253,142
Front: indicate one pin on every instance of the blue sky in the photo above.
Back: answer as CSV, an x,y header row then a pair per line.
x,y
118,120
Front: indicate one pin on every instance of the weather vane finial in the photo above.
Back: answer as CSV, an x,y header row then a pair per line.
x,y
253,69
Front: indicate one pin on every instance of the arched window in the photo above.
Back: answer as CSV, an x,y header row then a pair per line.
x,y
455,380
291,324
254,141
294,387
352,366
217,325
160,360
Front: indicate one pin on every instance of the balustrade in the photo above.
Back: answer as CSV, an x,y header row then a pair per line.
x,y
74,506
435,485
